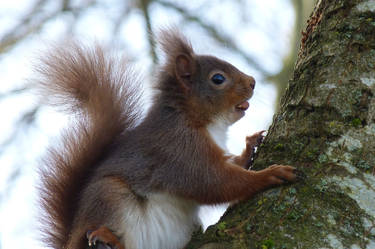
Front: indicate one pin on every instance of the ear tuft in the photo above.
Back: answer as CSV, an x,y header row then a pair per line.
x,y
180,62
173,43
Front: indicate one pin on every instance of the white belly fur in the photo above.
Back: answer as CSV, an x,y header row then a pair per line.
x,y
218,132
163,221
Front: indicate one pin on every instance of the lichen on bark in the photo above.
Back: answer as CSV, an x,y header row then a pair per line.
x,y
326,128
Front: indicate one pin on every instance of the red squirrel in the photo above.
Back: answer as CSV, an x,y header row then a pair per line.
x,y
137,182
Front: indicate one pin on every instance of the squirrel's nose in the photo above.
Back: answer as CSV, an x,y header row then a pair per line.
x,y
252,82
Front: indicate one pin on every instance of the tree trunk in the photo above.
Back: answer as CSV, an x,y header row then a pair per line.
x,y
326,128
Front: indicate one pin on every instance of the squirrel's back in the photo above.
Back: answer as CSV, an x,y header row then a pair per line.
x,y
100,90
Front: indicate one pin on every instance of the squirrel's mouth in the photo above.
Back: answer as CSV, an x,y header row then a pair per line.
x,y
243,106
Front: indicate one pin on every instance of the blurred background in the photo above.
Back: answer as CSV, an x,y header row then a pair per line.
x,y
261,38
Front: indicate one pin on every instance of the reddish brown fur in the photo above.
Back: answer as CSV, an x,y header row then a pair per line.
x,y
105,163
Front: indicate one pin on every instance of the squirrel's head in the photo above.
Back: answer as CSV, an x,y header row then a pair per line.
x,y
204,87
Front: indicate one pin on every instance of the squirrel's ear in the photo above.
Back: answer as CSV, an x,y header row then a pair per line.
x,y
184,70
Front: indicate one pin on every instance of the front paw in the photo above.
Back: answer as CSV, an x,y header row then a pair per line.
x,y
279,174
254,140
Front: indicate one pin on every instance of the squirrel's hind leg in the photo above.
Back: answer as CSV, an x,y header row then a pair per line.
x,y
104,236
99,224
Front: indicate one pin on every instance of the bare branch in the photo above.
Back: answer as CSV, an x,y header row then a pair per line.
x,y
21,30
29,25
14,92
21,125
144,4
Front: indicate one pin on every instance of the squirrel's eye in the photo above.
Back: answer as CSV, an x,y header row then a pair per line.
x,y
218,79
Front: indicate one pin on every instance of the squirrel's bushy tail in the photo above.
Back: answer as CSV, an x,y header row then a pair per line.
x,y
102,93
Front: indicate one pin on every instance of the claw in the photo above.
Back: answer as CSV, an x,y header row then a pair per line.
x,y
88,236
299,174
104,238
255,140
91,239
